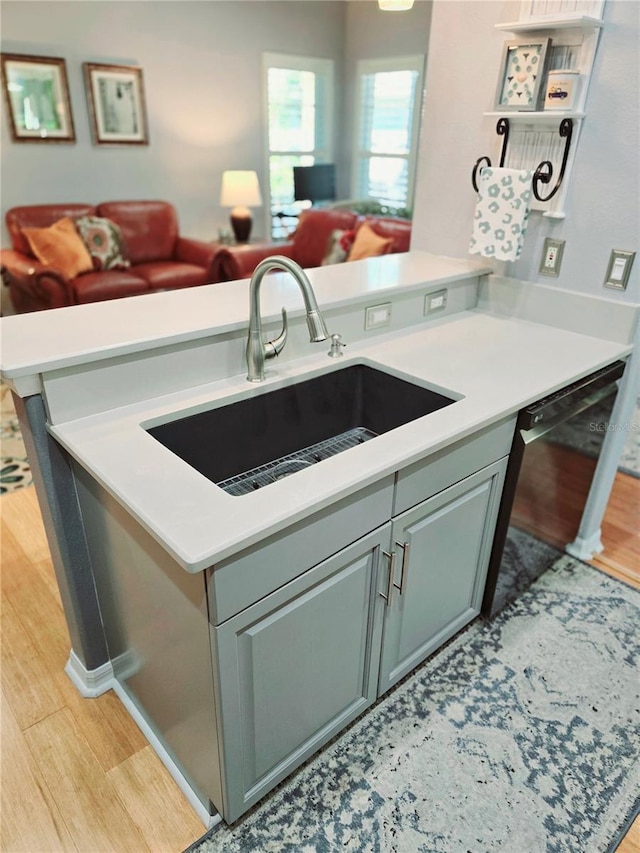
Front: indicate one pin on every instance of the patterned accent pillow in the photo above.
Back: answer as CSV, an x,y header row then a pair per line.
x,y
339,247
103,239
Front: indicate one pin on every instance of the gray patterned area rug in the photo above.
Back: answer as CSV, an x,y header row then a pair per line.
x,y
586,433
521,736
15,472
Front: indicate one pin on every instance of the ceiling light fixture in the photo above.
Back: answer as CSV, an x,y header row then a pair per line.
x,y
395,5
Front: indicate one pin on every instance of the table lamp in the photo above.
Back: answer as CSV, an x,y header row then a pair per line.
x,y
240,191
395,5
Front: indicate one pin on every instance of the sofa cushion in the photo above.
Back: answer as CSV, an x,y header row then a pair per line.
x,y
367,244
107,284
40,216
149,228
169,275
103,239
60,246
389,226
314,230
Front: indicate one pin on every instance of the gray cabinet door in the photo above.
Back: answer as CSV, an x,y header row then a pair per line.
x,y
296,667
441,555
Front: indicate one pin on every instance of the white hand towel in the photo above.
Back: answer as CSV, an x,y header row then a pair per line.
x,y
502,211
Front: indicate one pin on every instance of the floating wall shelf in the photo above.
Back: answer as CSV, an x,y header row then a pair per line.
x,y
538,139
559,22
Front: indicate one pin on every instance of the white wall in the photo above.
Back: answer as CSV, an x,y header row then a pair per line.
x,y
603,202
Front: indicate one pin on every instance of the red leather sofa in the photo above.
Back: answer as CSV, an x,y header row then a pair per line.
x,y
160,258
309,243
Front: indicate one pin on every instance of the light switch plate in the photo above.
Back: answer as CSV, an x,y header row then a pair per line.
x,y
551,257
620,264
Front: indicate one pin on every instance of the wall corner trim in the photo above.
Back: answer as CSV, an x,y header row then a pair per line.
x,y
90,683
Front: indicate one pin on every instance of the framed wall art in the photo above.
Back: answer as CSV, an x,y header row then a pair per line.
x,y
116,104
522,74
36,92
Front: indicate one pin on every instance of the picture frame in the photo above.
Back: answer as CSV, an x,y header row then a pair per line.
x,y
115,94
36,92
522,74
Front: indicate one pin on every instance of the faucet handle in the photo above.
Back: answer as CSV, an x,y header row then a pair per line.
x,y
275,347
336,345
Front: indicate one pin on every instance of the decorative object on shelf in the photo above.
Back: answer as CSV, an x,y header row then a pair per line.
x,y
395,5
37,96
562,89
115,94
502,211
543,172
523,67
240,191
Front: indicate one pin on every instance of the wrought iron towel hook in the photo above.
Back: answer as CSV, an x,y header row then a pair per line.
x,y
544,171
502,129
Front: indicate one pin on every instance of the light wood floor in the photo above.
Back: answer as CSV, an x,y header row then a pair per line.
x,y
77,775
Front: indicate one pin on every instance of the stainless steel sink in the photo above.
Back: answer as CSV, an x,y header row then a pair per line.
x,y
247,445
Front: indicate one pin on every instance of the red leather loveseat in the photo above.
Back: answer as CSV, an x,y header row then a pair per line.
x,y
310,243
155,256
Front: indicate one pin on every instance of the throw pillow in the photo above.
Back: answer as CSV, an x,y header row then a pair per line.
x,y
59,246
340,243
368,244
103,239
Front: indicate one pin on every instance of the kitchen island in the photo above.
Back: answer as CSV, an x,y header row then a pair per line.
x,y
282,614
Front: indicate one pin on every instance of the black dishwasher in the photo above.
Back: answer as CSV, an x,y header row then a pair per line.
x,y
555,449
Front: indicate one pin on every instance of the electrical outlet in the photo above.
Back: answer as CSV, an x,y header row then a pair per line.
x,y
435,301
551,257
620,264
377,316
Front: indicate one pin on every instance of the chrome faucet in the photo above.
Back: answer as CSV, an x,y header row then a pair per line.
x,y
258,351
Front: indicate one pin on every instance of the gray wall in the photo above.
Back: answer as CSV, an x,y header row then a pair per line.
x,y
203,82
603,202
201,61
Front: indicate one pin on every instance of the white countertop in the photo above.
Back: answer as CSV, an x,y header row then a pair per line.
x,y
493,360
492,365
50,340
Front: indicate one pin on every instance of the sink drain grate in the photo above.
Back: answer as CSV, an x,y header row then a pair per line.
x,y
271,472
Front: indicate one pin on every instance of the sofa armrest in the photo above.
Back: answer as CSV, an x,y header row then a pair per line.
x,y
32,285
197,252
234,262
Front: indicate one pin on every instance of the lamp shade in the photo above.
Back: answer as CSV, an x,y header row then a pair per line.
x,y
395,5
240,189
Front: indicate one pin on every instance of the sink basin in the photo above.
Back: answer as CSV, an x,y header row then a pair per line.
x,y
254,442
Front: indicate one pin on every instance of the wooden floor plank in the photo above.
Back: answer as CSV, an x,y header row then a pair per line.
x,y
90,807
31,821
158,809
30,684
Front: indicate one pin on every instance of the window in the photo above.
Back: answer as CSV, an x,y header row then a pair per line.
x,y
386,141
299,109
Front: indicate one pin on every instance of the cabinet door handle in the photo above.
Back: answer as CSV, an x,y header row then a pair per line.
x,y
390,583
403,567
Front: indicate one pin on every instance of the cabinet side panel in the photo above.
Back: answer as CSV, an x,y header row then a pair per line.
x,y
156,623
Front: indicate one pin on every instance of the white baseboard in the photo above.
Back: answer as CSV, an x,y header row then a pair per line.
x,y
585,549
95,682
89,682
194,801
